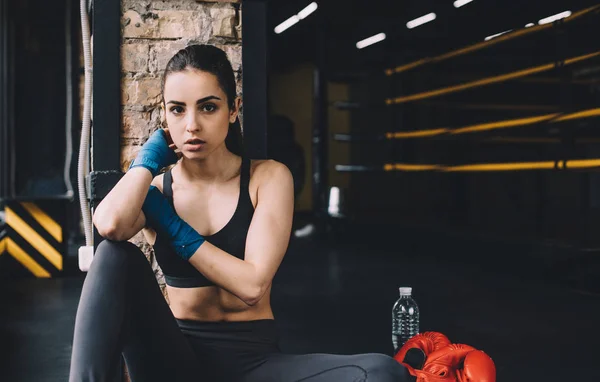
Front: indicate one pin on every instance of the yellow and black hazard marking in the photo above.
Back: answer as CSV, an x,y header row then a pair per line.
x,y
32,238
2,241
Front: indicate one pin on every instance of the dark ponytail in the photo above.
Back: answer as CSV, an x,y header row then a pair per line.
x,y
234,139
210,59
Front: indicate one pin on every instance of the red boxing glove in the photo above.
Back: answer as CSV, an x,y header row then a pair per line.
x,y
443,365
477,367
447,362
428,342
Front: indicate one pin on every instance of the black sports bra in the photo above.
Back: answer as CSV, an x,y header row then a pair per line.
x,y
231,238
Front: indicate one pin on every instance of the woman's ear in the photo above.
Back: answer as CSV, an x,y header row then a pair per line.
x,y
233,114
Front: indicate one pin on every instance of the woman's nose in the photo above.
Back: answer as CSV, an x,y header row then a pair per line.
x,y
192,123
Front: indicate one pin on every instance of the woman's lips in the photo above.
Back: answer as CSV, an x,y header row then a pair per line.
x,y
194,145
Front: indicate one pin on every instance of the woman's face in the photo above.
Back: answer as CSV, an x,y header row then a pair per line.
x,y
197,112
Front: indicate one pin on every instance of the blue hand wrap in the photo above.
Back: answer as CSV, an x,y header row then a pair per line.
x,y
162,217
155,153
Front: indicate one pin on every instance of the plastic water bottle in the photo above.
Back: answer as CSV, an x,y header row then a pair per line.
x,y
405,319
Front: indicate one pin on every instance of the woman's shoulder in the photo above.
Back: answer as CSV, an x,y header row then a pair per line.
x,y
268,167
268,170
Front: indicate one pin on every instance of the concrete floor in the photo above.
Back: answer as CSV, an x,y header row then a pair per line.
x,y
336,296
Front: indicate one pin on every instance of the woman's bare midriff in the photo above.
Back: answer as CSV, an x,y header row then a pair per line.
x,y
215,304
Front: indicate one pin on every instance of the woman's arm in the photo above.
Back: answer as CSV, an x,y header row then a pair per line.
x,y
119,216
266,244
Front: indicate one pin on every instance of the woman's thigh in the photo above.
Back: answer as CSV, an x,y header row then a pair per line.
x,y
329,367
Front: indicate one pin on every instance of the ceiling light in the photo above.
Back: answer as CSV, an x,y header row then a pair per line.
x,y
370,40
529,25
460,3
296,18
496,35
420,20
310,8
286,24
553,18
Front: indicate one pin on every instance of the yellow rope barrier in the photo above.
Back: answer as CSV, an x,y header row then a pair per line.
x,y
508,123
497,167
488,80
409,167
416,134
547,165
582,163
580,114
489,106
504,124
485,44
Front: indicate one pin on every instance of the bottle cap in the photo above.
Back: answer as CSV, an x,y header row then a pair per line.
x,y
405,291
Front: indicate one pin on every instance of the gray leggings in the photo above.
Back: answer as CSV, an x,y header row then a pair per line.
x,y
123,312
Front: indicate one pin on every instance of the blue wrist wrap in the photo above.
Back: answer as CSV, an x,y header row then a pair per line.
x,y
155,153
162,217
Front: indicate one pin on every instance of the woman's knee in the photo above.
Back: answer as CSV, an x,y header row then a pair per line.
x,y
111,245
116,255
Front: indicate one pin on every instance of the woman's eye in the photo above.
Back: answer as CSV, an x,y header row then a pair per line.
x,y
209,107
176,110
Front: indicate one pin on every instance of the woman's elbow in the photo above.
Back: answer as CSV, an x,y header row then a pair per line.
x,y
109,229
110,233
253,295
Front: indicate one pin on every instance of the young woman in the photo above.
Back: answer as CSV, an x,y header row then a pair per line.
x,y
219,224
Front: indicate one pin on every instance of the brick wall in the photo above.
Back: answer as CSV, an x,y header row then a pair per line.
x,y
151,32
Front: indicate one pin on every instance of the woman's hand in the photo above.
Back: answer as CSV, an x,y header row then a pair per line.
x,y
156,153
171,144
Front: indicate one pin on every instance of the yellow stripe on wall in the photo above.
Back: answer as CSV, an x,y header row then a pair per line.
x,y
19,254
2,246
45,221
33,238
